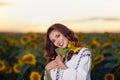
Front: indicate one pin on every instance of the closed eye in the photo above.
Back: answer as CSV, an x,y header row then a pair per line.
x,y
57,36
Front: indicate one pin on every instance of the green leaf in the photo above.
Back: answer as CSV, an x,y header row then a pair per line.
x,y
62,51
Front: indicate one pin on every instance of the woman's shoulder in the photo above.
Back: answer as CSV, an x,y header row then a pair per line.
x,y
82,53
82,50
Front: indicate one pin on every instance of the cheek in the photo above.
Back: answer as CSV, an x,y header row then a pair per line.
x,y
66,42
55,44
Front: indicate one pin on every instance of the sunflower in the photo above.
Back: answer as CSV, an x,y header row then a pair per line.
x,y
2,65
14,43
20,61
95,43
24,40
35,76
98,59
106,45
72,46
32,36
29,59
8,70
16,68
33,45
2,50
109,76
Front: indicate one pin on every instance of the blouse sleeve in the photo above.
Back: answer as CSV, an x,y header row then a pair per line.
x,y
82,72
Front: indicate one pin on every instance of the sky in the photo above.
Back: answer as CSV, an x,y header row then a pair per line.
x,y
78,15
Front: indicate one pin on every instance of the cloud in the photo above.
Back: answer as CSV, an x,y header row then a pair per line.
x,y
6,3
91,19
101,18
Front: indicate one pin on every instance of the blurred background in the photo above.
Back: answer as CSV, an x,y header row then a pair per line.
x,y
23,26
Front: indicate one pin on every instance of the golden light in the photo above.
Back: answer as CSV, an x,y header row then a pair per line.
x,y
38,15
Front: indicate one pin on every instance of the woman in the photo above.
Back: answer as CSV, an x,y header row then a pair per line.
x,y
72,66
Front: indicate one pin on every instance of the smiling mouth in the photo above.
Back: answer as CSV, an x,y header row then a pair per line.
x,y
61,44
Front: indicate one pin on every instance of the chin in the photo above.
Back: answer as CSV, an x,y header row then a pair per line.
x,y
64,46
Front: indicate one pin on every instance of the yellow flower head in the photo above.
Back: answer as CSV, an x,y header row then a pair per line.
x,y
94,43
106,45
24,40
29,59
98,59
14,43
109,76
32,36
2,65
35,76
8,70
2,50
33,45
16,68
72,46
20,61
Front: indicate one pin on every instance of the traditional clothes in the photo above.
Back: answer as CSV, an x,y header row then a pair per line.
x,y
78,67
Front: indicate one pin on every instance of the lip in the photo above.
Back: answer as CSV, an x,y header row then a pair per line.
x,y
61,43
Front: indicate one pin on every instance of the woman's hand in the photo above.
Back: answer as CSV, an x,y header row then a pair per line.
x,y
51,65
59,61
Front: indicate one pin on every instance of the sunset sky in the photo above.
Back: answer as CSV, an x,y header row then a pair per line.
x,y
78,15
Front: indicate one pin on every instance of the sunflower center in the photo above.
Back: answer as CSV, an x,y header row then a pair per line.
x,y
17,67
1,65
29,59
109,77
35,77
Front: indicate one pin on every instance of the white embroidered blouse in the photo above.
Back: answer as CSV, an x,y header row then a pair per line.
x,y
78,67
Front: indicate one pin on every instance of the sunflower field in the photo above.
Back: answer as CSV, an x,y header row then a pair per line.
x,y
22,55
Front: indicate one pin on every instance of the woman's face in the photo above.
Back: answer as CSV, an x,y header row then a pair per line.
x,y
58,39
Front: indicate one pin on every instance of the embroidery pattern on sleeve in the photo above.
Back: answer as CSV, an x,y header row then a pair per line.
x,y
82,55
57,74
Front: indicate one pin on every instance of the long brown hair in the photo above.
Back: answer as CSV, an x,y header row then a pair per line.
x,y
50,47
